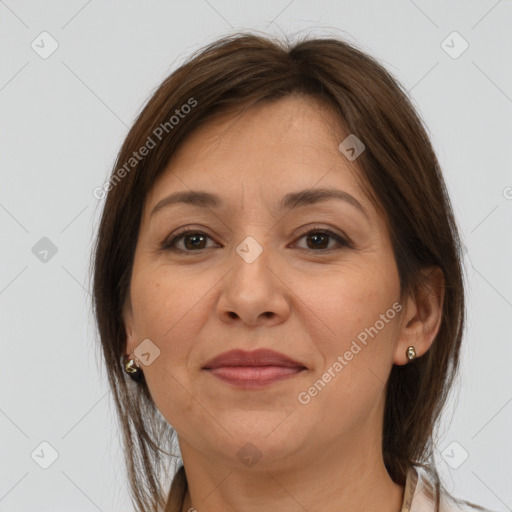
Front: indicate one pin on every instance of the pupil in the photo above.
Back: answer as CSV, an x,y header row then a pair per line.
x,y
197,238
317,237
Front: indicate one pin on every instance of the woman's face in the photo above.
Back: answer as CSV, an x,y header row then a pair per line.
x,y
256,274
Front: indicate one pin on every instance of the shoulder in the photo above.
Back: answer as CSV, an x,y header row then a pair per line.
x,y
422,495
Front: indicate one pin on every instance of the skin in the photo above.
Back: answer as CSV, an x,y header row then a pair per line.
x,y
307,302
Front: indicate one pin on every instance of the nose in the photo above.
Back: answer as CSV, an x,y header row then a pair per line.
x,y
253,292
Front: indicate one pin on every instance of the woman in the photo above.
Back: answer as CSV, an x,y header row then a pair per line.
x,y
278,286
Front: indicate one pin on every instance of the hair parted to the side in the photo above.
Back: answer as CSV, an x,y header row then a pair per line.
x,y
400,172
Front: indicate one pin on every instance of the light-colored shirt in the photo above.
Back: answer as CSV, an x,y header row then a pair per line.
x,y
420,495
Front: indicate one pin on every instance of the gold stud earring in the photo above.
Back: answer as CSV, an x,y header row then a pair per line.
x,y
411,353
132,368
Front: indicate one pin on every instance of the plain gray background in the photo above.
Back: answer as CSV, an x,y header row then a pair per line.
x,y
62,121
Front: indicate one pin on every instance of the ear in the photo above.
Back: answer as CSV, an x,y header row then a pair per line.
x,y
422,316
129,326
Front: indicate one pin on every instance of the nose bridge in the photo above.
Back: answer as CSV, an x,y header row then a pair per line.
x,y
251,260
252,289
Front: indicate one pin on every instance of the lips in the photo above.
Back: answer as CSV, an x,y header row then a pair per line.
x,y
253,370
261,357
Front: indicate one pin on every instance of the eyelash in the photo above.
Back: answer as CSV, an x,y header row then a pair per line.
x,y
169,245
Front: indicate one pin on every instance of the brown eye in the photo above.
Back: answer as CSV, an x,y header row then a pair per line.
x,y
319,239
192,241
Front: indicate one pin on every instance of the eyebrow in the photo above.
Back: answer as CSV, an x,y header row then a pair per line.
x,y
290,201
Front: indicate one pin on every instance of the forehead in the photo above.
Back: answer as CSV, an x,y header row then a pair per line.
x,y
302,124
264,151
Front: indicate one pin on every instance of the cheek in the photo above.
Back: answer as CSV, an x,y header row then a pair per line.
x,y
355,318
169,308
350,299
355,329
166,312
160,301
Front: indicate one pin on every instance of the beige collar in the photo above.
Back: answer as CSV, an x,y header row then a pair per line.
x,y
410,489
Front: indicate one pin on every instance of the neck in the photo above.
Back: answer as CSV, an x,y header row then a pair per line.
x,y
340,479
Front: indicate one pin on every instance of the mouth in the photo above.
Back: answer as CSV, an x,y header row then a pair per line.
x,y
254,377
253,370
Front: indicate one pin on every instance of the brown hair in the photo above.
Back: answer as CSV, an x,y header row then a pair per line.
x,y
401,173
